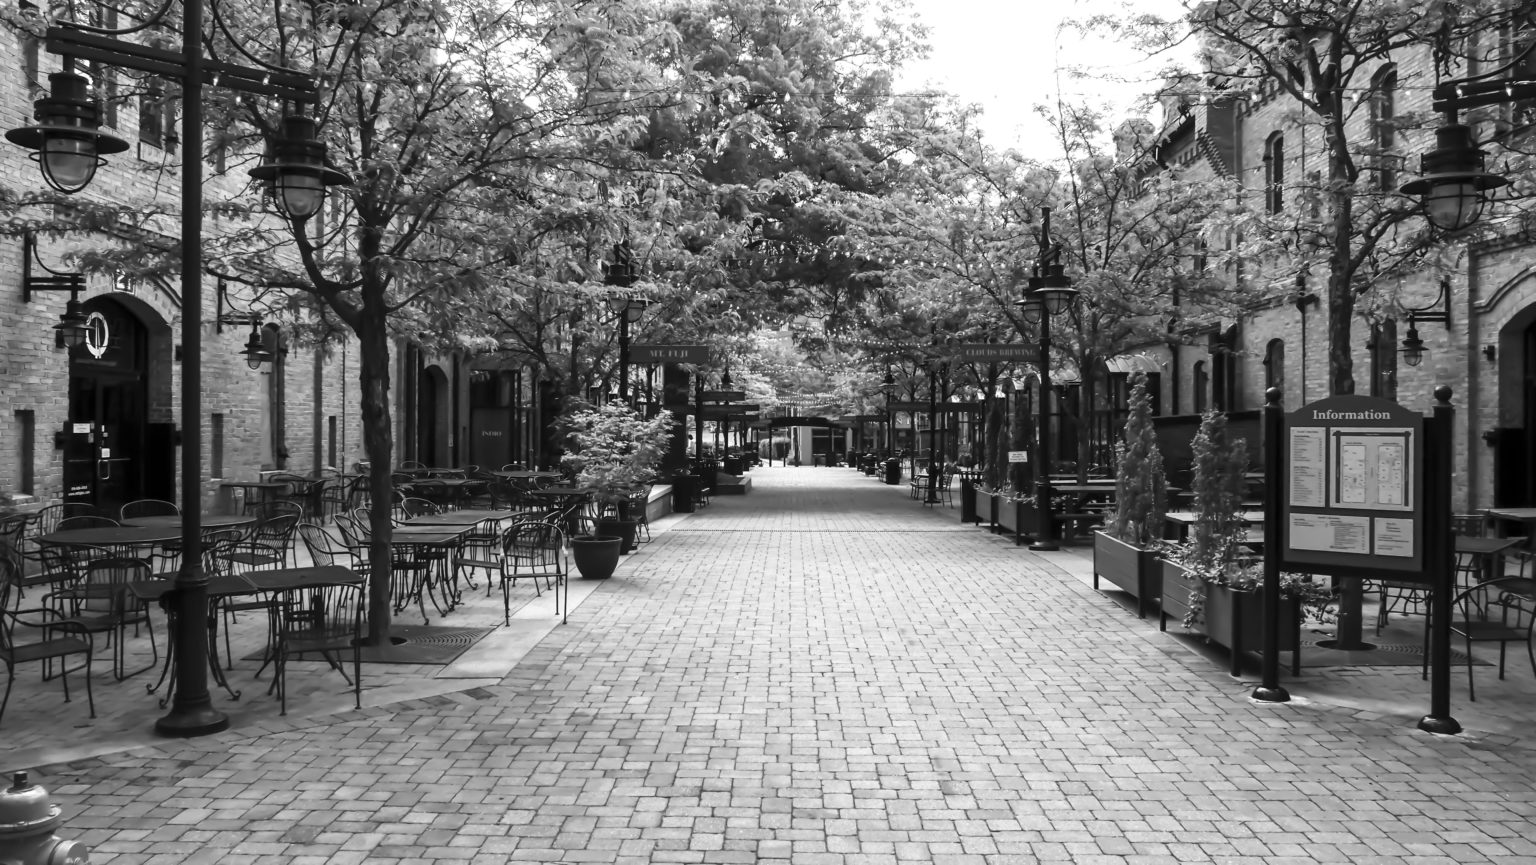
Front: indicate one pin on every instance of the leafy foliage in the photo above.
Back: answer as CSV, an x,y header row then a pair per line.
x,y
1141,489
612,448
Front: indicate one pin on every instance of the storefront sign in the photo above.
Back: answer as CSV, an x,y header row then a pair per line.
x,y
669,354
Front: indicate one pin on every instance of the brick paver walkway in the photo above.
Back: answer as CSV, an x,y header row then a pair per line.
x,y
824,672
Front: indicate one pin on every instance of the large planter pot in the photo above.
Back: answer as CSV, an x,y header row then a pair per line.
x,y
684,488
626,529
1130,568
1231,619
968,501
596,556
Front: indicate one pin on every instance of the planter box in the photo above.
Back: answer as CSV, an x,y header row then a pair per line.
x,y
1015,518
1130,568
1231,619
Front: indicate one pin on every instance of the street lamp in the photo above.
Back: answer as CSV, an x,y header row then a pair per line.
x,y
1453,180
622,273
1050,293
1439,310
70,148
888,387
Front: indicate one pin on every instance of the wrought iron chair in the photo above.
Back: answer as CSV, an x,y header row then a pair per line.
x,y
100,603
535,550
86,522
148,508
324,549
39,636
324,619
1492,611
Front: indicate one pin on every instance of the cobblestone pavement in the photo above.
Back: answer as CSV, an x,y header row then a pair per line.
x,y
825,671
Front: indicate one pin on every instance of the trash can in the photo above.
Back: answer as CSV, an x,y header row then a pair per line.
x,y
683,490
893,471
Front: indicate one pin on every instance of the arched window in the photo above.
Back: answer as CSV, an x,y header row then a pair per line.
x,y
274,442
1274,365
1384,127
1274,173
1202,387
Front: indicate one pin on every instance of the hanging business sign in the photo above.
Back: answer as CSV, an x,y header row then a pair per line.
x,y
1352,500
669,354
990,352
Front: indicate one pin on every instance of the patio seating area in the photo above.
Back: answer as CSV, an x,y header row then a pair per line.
x,y
286,584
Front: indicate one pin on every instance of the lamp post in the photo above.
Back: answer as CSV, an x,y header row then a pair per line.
x,y
888,387
69,148
1050,293
622,273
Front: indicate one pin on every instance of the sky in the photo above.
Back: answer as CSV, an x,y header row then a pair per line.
x,y
1003,55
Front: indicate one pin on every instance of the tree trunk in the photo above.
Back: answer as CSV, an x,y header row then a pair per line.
x,y
378,444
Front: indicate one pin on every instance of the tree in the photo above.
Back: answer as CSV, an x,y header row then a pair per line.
x,y
1335,66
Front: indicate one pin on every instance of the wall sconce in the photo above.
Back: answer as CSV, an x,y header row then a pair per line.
x,y
255,351
1438,310
1491,352
71,329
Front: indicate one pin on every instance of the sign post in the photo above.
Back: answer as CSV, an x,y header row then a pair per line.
x,y
1360,487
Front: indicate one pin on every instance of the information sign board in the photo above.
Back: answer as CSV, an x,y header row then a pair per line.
x,y
1018,456
1353,495
985,352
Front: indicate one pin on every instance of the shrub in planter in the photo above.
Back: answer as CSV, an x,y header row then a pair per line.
x,y
1123,552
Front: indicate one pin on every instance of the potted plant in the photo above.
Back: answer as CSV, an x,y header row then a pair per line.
x,y
1211,581
1123,552
612,450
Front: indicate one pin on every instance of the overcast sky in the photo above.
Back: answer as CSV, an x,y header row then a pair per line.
x,y
1003,54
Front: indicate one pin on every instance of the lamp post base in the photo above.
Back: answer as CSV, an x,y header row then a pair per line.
x,y
185,723
1045,546
1276,694
1446,726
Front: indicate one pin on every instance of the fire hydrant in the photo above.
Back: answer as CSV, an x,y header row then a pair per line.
x,y
27,820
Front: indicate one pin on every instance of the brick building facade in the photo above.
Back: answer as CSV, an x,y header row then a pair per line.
x,y
1485,352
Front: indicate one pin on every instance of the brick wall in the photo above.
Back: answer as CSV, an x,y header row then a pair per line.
x,y
34,375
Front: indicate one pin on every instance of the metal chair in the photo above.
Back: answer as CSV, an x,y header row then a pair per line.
x,y
86,522
148,508
324,619
57,640
1473,619
535,550
324,549
100,603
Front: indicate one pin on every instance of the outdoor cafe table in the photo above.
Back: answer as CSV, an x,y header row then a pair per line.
x,y
1179,522
276,580
209,522
115,537
257,490
465,517
1501,516
1487,551
438,543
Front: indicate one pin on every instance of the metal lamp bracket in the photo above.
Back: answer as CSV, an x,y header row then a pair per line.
x,y
48,279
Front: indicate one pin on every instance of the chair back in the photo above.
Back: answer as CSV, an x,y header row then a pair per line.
x,y
218,548
351,533
148,508
103,592
263,511
416,507
93,522
323,549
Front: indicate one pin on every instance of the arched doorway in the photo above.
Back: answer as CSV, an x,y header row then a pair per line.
x,y
111,454
433,417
